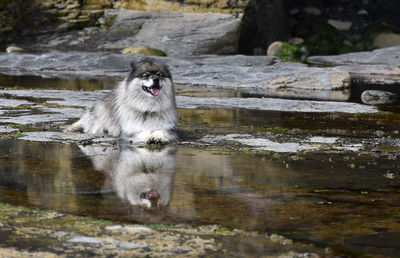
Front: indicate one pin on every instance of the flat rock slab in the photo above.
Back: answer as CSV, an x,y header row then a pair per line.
x,y
66,103
379,67
52,109
263,74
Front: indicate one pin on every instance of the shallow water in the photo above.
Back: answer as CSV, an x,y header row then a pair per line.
x,y
347,200
318,198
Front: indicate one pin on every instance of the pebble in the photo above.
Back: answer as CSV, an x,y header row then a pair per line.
x,y
362,12
312,10
296,41
86,240
138,229
114,227
274,47
133,246
340,25
12,49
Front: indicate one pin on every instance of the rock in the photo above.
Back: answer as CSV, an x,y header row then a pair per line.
x,y
386,40
85,239
179,34
264,74
312,10
296,41
378,97
348,43
284,51
274,48
340,25
12,49
7,129
371,68
144,50
362,12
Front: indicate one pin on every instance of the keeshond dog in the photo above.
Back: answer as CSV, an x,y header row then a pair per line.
x,y
141,108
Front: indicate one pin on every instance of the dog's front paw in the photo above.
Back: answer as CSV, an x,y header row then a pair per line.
x,y
155,141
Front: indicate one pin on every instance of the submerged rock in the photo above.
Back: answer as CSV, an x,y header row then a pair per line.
x,y
375,97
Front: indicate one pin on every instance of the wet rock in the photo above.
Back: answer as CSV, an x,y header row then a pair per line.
x,y
375,97
259,143
144,50
57,137
85,239
7,129
274,104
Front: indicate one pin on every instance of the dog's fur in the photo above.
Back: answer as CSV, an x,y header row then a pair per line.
x,y
141,108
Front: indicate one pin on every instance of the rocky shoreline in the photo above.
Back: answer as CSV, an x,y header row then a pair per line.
x,y
331,78
54,234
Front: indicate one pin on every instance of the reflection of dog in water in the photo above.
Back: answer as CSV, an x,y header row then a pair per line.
x,y
141,176
141,108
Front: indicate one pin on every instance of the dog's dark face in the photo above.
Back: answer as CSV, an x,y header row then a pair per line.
x,y
150,75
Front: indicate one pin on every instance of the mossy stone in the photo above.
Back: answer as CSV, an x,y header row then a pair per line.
x,y
144,50
285,51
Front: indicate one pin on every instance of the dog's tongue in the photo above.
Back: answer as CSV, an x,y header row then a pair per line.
x,y
155,91
153,194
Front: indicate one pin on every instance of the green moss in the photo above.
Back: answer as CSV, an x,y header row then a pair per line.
x,y
288,52
324,38
48,219
23,128
163,225
16,134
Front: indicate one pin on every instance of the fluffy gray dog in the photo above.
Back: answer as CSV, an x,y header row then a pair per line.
x,y
141,108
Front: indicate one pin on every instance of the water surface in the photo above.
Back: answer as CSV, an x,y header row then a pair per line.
x,y
319,198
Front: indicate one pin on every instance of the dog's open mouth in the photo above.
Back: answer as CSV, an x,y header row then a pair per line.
x,y
153,90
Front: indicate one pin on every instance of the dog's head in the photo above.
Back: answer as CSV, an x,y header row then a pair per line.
x,y
151,77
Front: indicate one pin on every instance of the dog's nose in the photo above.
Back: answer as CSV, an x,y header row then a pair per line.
x,y
156,80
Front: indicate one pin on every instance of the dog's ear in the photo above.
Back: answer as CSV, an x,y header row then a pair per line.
x,y
133,66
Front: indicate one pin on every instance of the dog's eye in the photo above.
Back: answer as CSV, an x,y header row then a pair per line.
x,y
160,74
146,75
